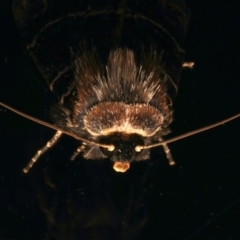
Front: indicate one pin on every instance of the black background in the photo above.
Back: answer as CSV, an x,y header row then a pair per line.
x,y
199,198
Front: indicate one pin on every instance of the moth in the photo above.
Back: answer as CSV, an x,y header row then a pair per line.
x,y
114,68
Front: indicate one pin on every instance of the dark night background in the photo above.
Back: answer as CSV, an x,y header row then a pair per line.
x,y
199,198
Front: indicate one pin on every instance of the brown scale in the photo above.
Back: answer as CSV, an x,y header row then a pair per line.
x,y
109,117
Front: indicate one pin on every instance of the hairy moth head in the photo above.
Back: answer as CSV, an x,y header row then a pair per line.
x,y
123,103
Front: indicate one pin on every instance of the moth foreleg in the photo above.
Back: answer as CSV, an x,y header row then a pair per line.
x,y
76,153
49,144
167,152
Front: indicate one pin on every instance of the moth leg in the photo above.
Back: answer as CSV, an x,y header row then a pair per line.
x,y
49,144
188,65
167,152
70,88
76,153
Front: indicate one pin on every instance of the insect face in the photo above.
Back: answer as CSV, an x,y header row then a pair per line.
x,y
124,151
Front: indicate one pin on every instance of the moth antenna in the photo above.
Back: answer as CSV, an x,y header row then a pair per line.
x,y
76,153
49,144
139,148
110,147
188,64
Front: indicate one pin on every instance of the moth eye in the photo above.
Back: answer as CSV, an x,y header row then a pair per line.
x,y
111,149
138,149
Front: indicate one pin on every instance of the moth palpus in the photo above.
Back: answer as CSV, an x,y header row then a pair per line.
x,y
114,68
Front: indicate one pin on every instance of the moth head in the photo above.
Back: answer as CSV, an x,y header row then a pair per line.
x,y
124,151
123,126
